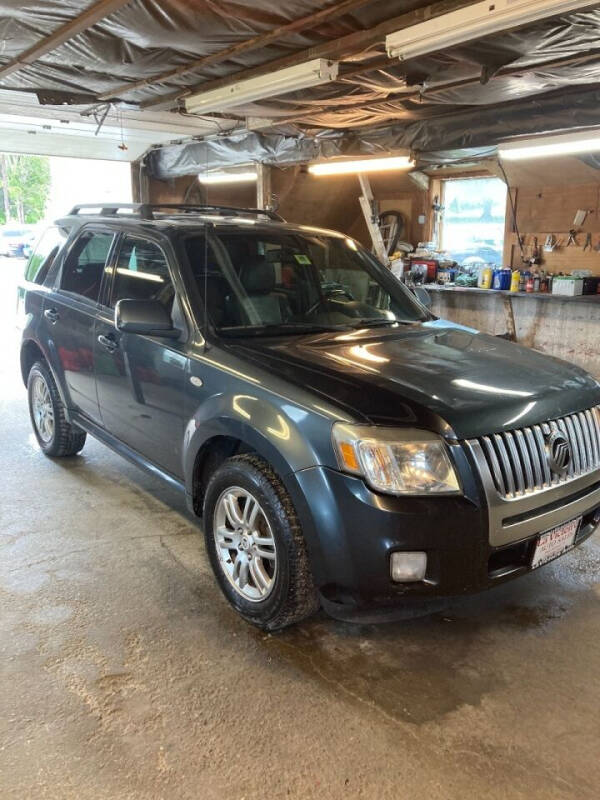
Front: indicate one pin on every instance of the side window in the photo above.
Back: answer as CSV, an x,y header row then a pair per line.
x,y
84,266
142,273
44,254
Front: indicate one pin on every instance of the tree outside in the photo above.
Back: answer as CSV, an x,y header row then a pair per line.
x,y
24,186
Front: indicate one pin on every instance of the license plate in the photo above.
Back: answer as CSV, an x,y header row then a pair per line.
x,y
555,542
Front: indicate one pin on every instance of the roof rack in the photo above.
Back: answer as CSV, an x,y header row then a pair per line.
x,y
147,210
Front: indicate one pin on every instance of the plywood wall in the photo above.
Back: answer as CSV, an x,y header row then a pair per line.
x,y
542,210
304,199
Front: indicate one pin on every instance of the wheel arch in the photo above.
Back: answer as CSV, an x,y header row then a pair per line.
x,y
31,351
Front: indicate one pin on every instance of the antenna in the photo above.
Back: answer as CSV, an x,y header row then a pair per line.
x,y
205,314
205,291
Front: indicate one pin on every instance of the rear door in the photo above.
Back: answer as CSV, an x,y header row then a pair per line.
x,y
141,379
69,315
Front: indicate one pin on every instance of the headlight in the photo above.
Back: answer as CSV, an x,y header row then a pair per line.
x,y
396,461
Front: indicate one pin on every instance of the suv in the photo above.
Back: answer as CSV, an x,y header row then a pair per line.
x,y
344,447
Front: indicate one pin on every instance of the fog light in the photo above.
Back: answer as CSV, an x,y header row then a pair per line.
x,y
408,567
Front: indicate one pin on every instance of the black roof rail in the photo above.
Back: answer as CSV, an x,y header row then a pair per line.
x,y
112,209
146,210
223,210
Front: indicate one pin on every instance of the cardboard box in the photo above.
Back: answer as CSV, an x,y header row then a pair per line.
x,y
570,287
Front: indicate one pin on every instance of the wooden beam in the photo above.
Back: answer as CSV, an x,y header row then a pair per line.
x,y
335,49
264,39
94,14
263,186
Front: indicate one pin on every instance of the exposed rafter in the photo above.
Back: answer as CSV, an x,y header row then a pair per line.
x,y
341,48
263,40
90,17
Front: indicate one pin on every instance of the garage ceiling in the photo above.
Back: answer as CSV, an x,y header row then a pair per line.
x,y
139,58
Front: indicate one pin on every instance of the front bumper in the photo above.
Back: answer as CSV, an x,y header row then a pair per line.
x,y
351,532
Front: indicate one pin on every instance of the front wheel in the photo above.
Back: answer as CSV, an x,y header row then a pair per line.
x,y
255,544
56,436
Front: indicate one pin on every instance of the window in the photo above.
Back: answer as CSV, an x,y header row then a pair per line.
x,y
142,273
44,254
298,281
473,224
84,267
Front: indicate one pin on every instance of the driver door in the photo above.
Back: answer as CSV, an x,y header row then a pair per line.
x,y
141,379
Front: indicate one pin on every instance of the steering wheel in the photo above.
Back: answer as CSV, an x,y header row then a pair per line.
x,y
329,294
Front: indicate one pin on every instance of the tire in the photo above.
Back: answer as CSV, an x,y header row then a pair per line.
x,y
290,595
59,438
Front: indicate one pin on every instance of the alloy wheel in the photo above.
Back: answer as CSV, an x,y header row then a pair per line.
x,y
42,408
245,544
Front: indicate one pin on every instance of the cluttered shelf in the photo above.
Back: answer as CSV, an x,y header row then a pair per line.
x,y
579,298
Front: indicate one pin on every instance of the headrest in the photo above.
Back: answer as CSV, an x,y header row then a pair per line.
x,y
257,276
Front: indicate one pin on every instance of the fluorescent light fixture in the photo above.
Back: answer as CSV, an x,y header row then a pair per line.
x,y
302,76
362,165
210,178
472,22
548,146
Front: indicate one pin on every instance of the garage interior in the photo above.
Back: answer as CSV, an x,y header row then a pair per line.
x,y
124,673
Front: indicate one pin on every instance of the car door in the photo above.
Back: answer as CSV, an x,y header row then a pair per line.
x,y
68,318
141,379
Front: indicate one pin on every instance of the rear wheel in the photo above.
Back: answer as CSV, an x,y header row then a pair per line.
x,y
255,544
55,435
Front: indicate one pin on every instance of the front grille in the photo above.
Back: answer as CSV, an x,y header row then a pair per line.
x,y
518,460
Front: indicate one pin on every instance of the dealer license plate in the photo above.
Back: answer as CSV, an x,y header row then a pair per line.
x,y
555,542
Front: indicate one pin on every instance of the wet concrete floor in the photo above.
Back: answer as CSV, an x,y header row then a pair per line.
x,y
124,674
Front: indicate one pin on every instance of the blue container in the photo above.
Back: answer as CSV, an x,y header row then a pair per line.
x,y
501,279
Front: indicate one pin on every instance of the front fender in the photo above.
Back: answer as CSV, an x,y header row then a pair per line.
x,y
283,433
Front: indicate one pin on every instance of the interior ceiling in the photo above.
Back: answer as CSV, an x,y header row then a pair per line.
x,y
553,64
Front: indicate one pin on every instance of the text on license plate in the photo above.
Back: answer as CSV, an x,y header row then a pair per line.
x,y
555,542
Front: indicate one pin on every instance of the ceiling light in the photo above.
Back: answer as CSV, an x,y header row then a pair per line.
x,y
302,76
209,178
363,165
472,22
548,146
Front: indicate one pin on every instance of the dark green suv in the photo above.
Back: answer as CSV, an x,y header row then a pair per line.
x,y
343,446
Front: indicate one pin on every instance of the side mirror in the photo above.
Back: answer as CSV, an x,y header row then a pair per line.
x,y
148,317
422,296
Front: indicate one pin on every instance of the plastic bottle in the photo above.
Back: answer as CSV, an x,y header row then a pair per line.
x,y
486,278
536,281
515,280
529,283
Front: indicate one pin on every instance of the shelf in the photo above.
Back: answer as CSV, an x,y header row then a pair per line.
x,y
580,298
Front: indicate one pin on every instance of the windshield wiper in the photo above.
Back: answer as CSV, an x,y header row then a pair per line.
x,y
281,328
378,322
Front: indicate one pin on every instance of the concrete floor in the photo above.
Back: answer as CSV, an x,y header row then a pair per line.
x,y
124,674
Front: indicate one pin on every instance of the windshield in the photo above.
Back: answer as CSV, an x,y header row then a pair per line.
x,y
280,281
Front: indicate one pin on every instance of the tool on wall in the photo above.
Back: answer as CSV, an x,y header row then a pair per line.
x,y
588,242
550,243
572,240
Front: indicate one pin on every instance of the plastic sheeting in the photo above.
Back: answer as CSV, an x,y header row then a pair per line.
x,y
454,137
541,77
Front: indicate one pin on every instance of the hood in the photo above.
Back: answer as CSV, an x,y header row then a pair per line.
x,y
436,375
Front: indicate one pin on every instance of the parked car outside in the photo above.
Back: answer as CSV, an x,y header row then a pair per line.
x,y
16,242
343,446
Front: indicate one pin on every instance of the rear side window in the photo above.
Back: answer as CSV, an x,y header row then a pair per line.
x,y
84,266
142,273
44,254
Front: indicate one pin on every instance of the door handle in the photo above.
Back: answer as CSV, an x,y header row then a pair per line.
x,y
52,315
108,342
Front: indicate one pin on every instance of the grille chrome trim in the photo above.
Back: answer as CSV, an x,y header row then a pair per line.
x,y
518,462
